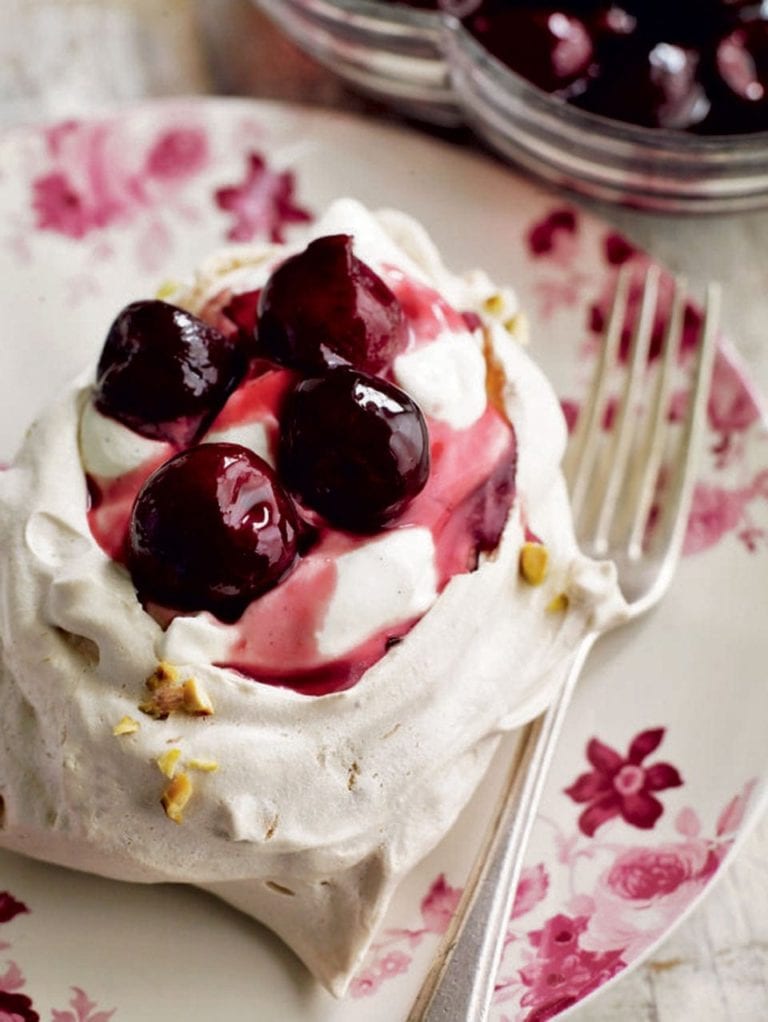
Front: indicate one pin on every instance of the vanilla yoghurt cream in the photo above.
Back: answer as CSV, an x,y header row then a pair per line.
x,y
303,810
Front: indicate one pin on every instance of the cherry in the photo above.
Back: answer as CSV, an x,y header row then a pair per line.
x,y
353,448
740,79
714,88
325,307
655,87
550,48
164,373
211,529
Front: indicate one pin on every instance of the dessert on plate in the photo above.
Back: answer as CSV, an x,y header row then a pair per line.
x,y
278,573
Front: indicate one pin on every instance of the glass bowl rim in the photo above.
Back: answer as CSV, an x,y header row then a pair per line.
x,y
669,141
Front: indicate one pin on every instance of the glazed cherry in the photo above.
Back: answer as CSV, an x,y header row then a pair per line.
x,y
164,373
740,79
325,307
655,87
713,89
211,529
549,47
353,448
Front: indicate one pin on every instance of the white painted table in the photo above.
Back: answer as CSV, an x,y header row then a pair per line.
x,y
715,967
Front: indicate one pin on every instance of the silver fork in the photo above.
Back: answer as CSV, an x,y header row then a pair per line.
x,y
614,481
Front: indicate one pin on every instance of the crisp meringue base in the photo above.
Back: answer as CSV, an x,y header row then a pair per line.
x,y
332,798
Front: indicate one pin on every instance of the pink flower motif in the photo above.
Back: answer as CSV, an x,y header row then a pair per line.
x,y
438,905
60,207
12,979
733,815
687,822
642,874
644,891
98,177
262,204
617,249
365,985
83,1010
177,153
395,963
732,407
92,183
10,907
17,1008
531,889
553,235
622,786
563,972
715,511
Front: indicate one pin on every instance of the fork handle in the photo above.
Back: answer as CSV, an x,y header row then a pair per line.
x,y
460,984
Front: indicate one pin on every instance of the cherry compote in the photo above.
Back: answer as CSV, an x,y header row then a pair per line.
x,y
353,448
685,65
164,373
655,86
740,79
550,48
211,529
325,307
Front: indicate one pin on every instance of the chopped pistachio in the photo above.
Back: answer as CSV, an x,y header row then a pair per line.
x,y
196,701
168,762
534,561
494,304
176,796
167,695
166,289
126,726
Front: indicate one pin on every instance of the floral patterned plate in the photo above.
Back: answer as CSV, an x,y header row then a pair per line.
x,y
663,764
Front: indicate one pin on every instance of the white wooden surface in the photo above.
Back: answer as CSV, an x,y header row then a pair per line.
x,y
87,52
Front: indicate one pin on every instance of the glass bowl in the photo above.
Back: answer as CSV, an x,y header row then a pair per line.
x,y
426,65
396,54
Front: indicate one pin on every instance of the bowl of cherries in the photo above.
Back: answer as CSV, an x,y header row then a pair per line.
x,y
651,103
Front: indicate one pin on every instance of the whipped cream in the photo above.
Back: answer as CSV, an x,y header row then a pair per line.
x,y
331,799
109,449
446,379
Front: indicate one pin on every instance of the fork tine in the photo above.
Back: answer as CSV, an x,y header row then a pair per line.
x,y
671,529
583,445
654,449
622,434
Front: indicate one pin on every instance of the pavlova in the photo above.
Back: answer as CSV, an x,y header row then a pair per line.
x,y
276,577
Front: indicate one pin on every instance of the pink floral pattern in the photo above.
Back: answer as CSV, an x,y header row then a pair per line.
x,y
262,204
562,972
95,177
621,785
553,235
16,1006
388,958
83,1009
728,501
10,907
531,889
718,511
93,183
611,901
